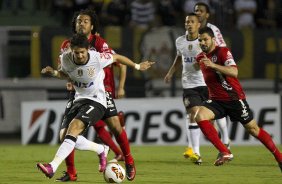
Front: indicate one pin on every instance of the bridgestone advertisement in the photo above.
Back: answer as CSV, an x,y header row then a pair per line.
x,y
156,121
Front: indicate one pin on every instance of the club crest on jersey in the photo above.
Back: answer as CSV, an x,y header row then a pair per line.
x,y
79,72
91,71
214,59
190,47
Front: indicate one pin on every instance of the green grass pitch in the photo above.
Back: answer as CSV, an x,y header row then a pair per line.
x,y
155,164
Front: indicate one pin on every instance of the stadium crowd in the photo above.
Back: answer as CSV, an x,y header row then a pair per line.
x,y
228,14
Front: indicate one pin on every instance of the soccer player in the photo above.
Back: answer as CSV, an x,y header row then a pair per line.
x,y
85,69
226,97
86,22
203,12
194,87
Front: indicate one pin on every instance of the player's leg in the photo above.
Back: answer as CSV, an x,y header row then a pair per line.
x,y
102,150
76,127
121,119
112,120
106,138
195,135
71,173
122,140
203,118
86,114
189,150
222,126
192,98
251,126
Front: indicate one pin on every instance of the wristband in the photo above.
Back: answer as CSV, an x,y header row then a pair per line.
x,y
137,66
55,73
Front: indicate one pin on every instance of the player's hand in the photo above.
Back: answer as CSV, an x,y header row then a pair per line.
x,y
69,86
120,93
146,65
207,62
167,78
48,70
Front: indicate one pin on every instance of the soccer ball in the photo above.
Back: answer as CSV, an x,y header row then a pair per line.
x,y
114,173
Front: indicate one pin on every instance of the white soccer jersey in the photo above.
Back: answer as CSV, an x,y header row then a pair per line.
x,y
217,34
191,76
87,78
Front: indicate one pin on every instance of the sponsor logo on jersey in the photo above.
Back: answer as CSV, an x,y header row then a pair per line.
x,y
189,59
83,84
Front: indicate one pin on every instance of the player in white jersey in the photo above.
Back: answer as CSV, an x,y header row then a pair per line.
x,y
203,12
85,69
194,86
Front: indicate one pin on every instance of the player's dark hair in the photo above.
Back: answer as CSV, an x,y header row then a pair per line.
x,y
191,14
93,16
206,30
203,4
79,40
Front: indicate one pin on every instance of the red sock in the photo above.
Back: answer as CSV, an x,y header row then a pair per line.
x,y
106,138
266,139
124,145
212,135
70,163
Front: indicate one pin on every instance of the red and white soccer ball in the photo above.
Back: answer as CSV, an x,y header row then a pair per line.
x,y
114,173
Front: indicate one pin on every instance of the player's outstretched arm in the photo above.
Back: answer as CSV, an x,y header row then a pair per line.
x,y
176,64
48,70
122,78
125,60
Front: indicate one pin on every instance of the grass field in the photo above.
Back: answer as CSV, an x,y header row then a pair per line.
x,y
155,164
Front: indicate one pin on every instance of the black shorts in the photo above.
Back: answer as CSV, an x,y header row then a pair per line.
x,y
111,107
195,96
88,111
237,110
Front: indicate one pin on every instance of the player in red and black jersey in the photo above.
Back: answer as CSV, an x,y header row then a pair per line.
x,y
86,22
226,97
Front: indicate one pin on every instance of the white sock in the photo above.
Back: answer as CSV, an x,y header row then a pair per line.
x,y
188,132
222,126
84,144
195,137
64,150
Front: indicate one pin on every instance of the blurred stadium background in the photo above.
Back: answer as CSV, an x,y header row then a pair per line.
x,y
32,31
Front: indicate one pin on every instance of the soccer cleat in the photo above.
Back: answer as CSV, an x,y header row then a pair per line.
x,y
103,159
117,158
188,152
223,158
228,146
196,159
280,165
67,177
130,171
46,169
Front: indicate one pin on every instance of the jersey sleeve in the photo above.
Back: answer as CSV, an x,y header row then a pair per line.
x,y
178,52
102,46
106,59
200,56
226,57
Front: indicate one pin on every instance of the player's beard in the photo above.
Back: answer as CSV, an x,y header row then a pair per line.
x,y
205,48
80,31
